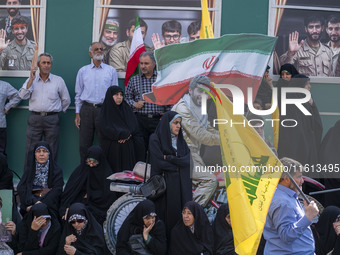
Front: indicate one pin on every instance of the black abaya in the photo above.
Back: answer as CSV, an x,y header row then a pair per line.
x,y
223,234
175,168
91,240
55,182
184,242
134,224
117,122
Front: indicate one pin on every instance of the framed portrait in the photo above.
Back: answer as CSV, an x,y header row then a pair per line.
x,y
304,25
120,13
22,35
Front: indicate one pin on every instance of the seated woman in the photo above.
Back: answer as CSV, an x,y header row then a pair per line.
x,y
38,233
42,180
80,189
99,196
118,126
223,234
82,234
193,234
142,226
170,157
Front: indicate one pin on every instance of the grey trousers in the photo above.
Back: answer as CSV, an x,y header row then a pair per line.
x,y
89,118
43,126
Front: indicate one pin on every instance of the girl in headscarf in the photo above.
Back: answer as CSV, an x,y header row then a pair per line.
x,y
39,232
193,234
82,234
223,234
118,126
42,179
142,221
170,157
79,188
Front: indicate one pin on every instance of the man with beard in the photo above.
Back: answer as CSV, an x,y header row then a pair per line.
x,y
109,37
310,56
287,229
119,54
333,31
148,115
5,23
48,95
19,53
197,131
91,84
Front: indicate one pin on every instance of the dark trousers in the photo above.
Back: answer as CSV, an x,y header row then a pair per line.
x,y
89,119
3,140
147,126
43,126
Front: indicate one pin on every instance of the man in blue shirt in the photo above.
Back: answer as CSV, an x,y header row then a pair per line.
x,y
91,84
287,228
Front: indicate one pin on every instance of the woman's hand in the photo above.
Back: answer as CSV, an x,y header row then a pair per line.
x,y
37,223
69,249
70,239
147,230
11,227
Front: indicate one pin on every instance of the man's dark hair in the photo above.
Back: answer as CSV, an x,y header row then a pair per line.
x,y
314,18
194,27
333,19
19,20
142,23
291,166
172,26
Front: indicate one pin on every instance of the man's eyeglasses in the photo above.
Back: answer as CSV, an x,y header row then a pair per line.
x,y
174,37
77,221
96,49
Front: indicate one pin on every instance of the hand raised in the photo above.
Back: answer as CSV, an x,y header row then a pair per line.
x,y
294,44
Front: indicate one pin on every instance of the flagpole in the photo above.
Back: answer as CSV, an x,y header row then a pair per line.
x,y
298,188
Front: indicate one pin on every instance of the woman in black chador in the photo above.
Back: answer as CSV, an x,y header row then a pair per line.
x,y
143,226
223,234
42,179
88,184
118,126
170,157
82,234
193,234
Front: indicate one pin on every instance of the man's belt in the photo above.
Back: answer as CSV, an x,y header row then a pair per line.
x,y
149,115
44,113
94,105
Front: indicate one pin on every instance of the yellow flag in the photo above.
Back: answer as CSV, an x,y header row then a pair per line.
x,y
206,28
249,187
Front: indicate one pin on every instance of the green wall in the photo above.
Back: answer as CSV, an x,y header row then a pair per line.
x,y
68,36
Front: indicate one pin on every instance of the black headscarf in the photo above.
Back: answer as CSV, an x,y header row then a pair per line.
x,y
184,242
329,155
99,196
28,239
6,176
76,186
118,122
326,237
290,68
223,234
91,240
175,169
55,181
134,224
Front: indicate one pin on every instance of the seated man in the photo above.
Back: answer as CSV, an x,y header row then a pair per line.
x,y
197,131
119,54
287,229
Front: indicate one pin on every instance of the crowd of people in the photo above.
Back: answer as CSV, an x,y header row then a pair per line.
x,y
68,219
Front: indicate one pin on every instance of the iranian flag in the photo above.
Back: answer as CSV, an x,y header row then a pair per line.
x,y
239,60
137,47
